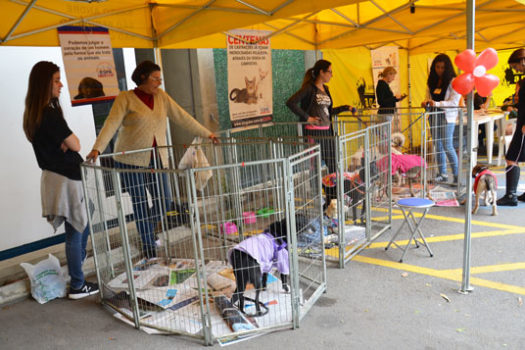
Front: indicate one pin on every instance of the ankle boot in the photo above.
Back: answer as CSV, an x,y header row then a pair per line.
x,y
513,177
521,197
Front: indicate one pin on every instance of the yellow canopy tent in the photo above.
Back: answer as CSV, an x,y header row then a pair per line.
x,y
418,26
143,23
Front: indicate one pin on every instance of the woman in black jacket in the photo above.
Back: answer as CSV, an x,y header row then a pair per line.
x,y
516,152
313,105
385,97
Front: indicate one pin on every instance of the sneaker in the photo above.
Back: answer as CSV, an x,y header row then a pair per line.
x,y
508,200
86,290
443,178
521,197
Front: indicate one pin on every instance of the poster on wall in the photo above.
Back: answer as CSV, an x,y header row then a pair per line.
x,y
249,77
384,57
89,64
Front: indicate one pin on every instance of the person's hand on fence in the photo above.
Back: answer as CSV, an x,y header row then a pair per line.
x,y
213,138
428,103
313,120
92,156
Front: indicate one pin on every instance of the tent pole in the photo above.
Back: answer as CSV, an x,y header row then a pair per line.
x,y
465,284
409,88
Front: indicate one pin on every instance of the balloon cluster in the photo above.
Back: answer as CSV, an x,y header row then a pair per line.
x,y
475,72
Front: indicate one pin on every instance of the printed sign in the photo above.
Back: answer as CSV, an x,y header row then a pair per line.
x,y
249,77
89,64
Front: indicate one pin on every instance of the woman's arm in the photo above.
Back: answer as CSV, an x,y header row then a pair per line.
x,y
294,101
451,98
71,142
111,125
179,116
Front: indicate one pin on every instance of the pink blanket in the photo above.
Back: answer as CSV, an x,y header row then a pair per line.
x,y
403,162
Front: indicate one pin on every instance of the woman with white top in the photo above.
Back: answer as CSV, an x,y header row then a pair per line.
x,y
441,94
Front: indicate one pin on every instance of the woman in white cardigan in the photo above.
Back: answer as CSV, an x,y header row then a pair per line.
x,y
139,115
441,94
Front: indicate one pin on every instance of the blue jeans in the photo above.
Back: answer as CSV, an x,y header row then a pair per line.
x,y
443,136
146,218
75,254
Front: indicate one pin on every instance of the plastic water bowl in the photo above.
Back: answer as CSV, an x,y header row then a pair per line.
x,y
249,217
229,228
265,212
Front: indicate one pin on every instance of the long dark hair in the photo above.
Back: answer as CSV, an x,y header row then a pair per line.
x,y
39,96
312,73
447,76
517,56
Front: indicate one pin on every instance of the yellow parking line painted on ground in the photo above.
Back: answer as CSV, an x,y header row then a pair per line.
x,y
491,268
449,219
446,274
454,237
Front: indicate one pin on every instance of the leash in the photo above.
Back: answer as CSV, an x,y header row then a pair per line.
x,y
518,157
260,304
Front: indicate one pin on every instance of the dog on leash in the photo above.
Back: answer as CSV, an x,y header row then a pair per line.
x,y
253,258
486,184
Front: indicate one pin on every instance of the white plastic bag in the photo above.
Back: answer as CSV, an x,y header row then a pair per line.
x,y
195,158
47,281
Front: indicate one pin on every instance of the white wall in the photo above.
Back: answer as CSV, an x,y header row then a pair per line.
x,y
20,208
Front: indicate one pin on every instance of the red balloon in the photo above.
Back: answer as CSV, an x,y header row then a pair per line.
x,y
463,83
465,60
485,84
487,58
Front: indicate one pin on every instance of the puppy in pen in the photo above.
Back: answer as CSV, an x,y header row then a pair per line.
x,y
253,259
354,188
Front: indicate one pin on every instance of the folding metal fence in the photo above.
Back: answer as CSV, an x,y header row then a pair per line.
x,y
352,150
427,138
162,255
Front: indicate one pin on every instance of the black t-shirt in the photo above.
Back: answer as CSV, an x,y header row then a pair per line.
x,y
46,143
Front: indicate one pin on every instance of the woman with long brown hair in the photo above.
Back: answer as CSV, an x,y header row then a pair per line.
x,y
56,149
313,105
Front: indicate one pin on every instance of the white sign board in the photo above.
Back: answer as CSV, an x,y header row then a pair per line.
x,y
249,77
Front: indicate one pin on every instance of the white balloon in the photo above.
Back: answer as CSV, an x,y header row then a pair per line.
x,y
479,71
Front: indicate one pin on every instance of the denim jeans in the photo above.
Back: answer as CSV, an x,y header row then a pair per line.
x,y
75,254
146,218
443,136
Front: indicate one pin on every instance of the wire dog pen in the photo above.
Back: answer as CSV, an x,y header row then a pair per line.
x,y
162,236
352,177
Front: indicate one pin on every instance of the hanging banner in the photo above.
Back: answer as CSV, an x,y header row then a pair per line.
x,y
250,92
386,56
89,64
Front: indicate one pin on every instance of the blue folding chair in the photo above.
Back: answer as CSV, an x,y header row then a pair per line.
x,y
407,206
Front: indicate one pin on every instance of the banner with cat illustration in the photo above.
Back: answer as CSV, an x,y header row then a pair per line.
x,y
249,77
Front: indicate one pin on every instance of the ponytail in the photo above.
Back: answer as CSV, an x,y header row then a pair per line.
x,y
312,73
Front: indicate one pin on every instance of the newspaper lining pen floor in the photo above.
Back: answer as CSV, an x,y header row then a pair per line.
x,y
169,298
